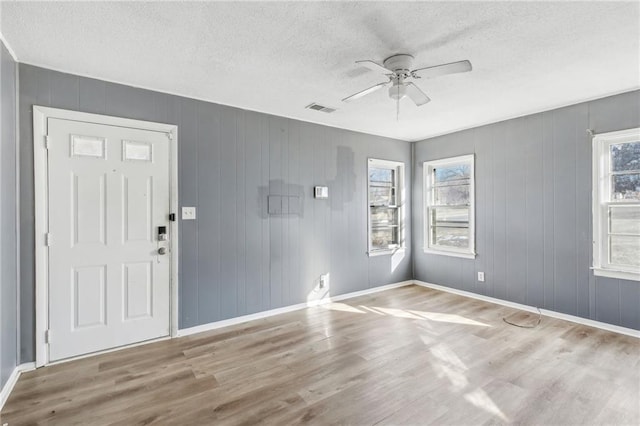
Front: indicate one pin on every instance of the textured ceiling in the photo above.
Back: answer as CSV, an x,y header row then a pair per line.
x,y
279,57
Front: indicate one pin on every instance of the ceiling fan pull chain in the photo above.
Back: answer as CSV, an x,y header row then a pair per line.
x,y
398,106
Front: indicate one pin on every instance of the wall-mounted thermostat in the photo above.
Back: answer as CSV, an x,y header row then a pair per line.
x,y
321,192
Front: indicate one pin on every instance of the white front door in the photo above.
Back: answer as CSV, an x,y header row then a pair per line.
x,y
109,270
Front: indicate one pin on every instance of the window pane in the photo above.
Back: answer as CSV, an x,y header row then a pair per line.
x,y
626,187
452,195
381,175
624,219
452,173
451,217
382,196
384,238
624,250
625,156
451,237
383,216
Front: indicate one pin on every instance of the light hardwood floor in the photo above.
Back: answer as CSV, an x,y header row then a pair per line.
x,y
405,356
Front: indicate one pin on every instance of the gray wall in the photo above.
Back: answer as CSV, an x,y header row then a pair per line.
x,y
532,204
8,233
533,212
235,259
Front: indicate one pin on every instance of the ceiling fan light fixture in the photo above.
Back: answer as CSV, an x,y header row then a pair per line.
x,y
397,92
399,68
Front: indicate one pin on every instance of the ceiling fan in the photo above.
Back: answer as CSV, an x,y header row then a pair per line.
x,y
398,68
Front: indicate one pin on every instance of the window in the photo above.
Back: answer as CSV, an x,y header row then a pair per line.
x,y
386,183
616,204
449,209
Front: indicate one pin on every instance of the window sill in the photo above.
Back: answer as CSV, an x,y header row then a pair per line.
x,y
450,253
622,275
387,252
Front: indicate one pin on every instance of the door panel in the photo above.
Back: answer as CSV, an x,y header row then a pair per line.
x,y
137,208
89,296
108,194
137,293
88,216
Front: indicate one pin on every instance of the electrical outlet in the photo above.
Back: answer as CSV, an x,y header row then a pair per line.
x,y
481,276
188,213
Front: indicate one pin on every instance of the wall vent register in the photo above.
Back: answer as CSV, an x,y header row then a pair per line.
x,y
317,107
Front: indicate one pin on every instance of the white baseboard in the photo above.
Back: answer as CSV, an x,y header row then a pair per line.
x,y
291,308
553,314
13,379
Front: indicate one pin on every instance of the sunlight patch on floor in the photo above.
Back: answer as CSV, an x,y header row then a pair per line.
x,y
342,307
404,313
480,399
373,311
399,313
443,353
452,318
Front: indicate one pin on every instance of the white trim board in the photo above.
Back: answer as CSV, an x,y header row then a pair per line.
x,y
553,314
40,117
265,314
13,379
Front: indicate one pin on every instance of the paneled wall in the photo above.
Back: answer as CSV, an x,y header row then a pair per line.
x,y
235,259
8,233
533,212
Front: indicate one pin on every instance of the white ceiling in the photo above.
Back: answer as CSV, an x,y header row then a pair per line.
x,y
279,57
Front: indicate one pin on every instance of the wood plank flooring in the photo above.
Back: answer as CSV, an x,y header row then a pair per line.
x,y
405,356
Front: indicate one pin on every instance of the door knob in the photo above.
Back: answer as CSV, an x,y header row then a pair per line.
x,y
162,250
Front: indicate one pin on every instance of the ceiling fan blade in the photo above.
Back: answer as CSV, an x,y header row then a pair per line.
x,y
365,92
438,70
416,95
374,66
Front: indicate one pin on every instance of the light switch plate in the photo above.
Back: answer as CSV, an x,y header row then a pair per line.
x,y
321,192
188,213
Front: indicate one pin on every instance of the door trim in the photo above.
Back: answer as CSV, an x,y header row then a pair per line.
x,y
41,183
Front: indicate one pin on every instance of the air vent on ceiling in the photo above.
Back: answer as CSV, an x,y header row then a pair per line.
x,y
316,107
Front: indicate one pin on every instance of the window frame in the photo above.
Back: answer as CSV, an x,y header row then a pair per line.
x,y
601,203
399,168
428,204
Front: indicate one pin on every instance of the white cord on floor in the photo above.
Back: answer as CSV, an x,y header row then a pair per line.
x,y
526,326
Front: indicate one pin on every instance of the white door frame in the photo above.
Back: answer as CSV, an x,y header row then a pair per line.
x,y
41,184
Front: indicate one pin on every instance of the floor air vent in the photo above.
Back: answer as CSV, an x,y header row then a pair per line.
x,y
317,107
